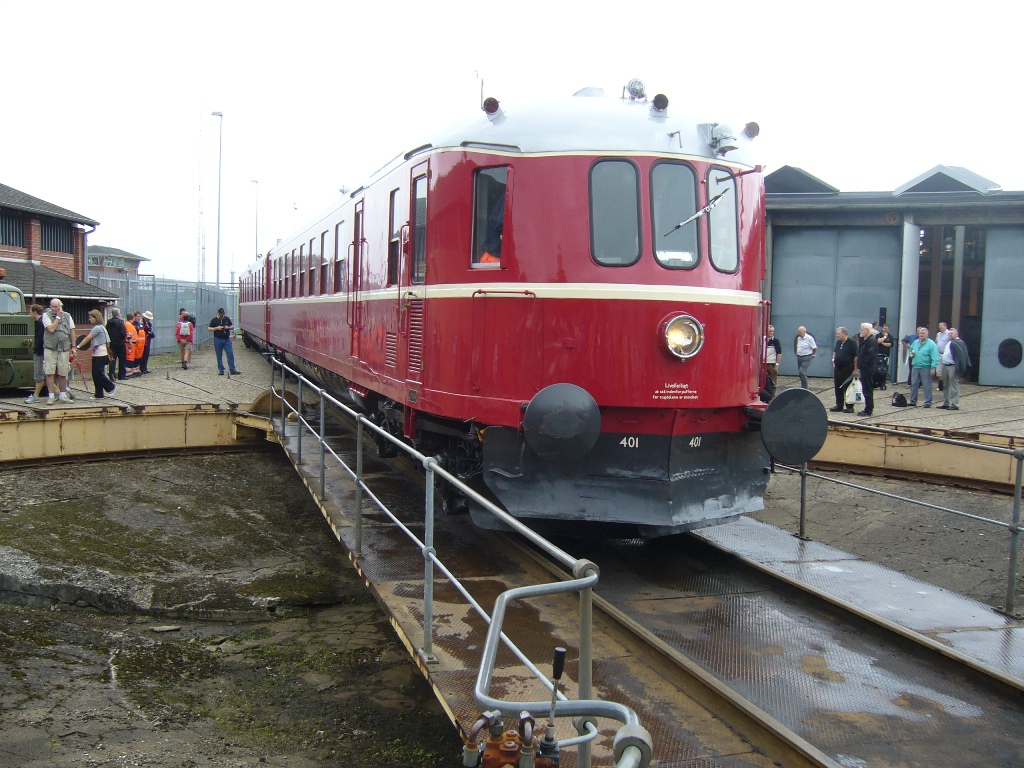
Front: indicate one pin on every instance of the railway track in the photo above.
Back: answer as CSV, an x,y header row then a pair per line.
x,y
725,665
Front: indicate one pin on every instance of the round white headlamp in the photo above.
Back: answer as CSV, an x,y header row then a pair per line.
x,y
684,336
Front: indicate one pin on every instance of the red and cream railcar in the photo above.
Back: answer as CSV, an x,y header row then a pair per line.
x,y
563,300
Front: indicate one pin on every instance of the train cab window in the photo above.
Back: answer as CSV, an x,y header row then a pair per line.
x,y
614,213
722,225
419,231
673,201
489,201
394,239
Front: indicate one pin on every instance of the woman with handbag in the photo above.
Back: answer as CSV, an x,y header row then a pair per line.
x,y
100,342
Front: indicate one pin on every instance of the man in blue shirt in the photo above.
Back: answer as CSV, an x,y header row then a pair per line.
x,y
924,359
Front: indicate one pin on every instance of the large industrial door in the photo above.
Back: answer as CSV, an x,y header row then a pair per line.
x,y
826,277
1002,324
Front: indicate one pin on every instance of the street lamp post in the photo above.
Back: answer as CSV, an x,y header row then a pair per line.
x,y
220,157
257,183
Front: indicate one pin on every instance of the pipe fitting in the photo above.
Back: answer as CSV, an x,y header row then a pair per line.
x,y
634,736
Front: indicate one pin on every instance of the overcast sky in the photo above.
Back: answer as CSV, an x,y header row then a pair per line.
x,y
107,104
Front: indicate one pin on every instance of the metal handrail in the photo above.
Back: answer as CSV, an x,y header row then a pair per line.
x,y
1014,526
633,744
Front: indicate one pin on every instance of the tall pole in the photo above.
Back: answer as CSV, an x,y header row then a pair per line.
x,y
220,157
257,183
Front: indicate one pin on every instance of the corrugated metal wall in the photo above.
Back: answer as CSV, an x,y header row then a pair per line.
x,y
825,277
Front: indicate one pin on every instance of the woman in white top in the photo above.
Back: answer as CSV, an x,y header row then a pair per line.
x,y
99,340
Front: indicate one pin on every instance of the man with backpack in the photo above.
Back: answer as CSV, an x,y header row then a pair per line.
x,y
184,334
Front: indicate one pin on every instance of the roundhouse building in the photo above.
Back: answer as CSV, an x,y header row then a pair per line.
x,y
946,246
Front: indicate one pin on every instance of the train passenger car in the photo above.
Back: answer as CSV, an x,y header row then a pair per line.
x,y
562,300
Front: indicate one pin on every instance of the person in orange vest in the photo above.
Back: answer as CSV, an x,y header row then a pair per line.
x,y
130,344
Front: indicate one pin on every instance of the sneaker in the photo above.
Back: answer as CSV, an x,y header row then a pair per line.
x,y
220,373
95,397
63,397
51,400
954,407
70,394
112,388
32,399
236,373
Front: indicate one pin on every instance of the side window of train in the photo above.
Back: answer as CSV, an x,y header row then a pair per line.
x,y
394,239
489,186
340,253
722,222
674,201
614,213
419,230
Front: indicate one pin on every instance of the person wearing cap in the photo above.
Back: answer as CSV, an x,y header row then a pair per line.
x,y
148,335
221,327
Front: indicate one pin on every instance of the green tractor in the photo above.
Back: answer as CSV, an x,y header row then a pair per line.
x,y
17,335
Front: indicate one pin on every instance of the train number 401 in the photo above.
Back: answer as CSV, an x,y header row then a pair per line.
x,y
630,442
695,442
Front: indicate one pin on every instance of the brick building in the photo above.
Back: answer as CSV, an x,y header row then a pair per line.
x,y
43,248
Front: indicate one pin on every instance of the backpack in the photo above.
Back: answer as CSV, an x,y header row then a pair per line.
x,y
184,329
899,400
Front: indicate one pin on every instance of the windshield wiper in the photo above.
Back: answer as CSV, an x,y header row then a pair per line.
x,y
702,212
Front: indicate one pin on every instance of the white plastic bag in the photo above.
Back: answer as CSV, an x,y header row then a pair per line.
x,y
855,393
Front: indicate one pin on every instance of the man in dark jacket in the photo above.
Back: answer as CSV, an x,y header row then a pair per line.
x,y
867,356
118,336
844,360
955,362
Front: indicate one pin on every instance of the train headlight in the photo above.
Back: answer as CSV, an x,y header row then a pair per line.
x,y
684,336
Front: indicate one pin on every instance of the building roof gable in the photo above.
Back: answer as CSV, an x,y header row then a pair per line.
x,y
789,179
948,178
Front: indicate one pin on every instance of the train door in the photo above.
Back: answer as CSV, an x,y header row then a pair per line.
x,y
413,274
354,304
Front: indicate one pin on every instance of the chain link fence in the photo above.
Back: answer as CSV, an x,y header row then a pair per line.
x,y
163,297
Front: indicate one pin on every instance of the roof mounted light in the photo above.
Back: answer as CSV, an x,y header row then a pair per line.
x,y
752,130
722,139
659,104
634,90
492,108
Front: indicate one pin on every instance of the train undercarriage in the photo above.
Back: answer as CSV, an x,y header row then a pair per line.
x,y
559,470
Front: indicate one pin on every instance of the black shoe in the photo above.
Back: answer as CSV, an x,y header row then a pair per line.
x,y
914,404
837,409
940,386
220,373
863,413
942,407
848,409
927,405
954,407
236,373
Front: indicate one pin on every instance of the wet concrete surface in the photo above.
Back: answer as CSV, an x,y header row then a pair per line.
x,y
194,611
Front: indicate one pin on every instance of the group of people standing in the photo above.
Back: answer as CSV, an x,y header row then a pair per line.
x,y
130,343
948,359
120,346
